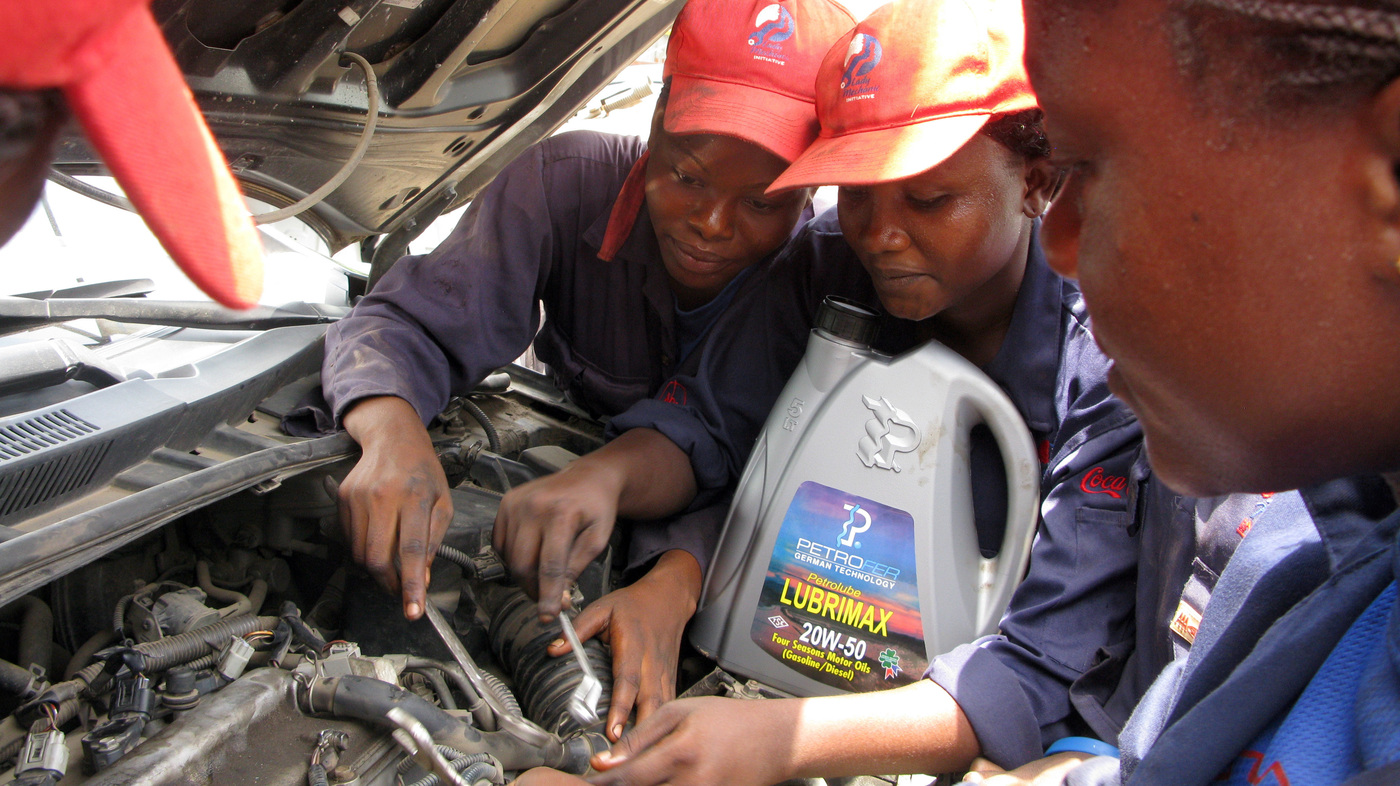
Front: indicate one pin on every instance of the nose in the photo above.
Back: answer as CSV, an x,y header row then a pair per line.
x,y
879,231
1059,232
713,218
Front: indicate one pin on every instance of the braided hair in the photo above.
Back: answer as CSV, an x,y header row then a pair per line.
x,y
1313,51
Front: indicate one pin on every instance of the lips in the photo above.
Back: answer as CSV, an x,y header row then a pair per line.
x,y
697,260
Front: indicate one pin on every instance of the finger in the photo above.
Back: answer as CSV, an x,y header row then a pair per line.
x,y
982,765
656,686
516,540
626,668
415,529
588,544
644,736
554,558
381,535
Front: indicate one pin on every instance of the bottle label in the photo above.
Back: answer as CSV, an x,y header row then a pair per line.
x,y
840,602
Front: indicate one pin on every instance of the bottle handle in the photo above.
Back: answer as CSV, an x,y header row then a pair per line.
x,y
998,576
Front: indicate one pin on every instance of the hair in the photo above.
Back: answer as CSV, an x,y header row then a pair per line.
x,y
1022,132
1300,52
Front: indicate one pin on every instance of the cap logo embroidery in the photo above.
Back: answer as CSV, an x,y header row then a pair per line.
x,y
862,55
1096,482
774,26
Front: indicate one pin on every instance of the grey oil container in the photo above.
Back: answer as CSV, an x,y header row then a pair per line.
x,y
850,553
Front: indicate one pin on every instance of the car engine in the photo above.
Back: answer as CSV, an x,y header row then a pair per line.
x,y
176,604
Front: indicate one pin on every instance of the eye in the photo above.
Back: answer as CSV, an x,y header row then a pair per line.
x,y
852,194
928,203
761,205
683,178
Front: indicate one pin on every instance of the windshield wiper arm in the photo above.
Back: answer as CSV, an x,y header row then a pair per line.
x,y
18,313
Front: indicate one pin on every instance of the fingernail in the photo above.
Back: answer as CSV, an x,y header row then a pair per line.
x,y
556,644
617,731
413,610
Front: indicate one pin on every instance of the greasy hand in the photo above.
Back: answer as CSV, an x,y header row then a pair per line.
x,y
643,624
543,776
394,504
1049,771
549,529
703,741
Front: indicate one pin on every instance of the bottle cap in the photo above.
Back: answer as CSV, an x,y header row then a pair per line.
x,y
847,320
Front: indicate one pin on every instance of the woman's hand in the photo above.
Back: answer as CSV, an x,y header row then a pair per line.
x,y
705,741
549,529
394,505
643,624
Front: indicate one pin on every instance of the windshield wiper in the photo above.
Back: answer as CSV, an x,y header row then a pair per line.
x,y
127,287
17,313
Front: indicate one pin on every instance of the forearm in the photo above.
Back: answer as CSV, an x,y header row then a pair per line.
x,y
384,419
914,729
650,474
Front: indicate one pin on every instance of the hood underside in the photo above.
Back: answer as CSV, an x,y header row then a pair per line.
x,y
465,86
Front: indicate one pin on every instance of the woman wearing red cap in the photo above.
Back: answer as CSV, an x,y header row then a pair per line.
x,y
633,248
930,129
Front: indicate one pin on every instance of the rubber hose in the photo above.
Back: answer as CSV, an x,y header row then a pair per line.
x,y
480,710
316,776
493,439
439,685
35,630
89,648
14,678
520,641
228,597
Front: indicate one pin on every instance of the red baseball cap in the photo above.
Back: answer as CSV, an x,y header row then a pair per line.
x,y
911,85
748,69
122,83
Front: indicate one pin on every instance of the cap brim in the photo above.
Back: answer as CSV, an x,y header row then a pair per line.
x,y
783,125
140,116
879,155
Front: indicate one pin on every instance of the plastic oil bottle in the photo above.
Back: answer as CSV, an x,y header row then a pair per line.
x,y
850,553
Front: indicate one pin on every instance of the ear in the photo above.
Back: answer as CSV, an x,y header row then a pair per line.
x,y
1042,180
658,119
1382,174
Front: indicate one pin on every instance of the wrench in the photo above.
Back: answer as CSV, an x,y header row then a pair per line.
x,y
583,703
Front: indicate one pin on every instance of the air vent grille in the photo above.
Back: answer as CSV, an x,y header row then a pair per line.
x,y
49,479
40,432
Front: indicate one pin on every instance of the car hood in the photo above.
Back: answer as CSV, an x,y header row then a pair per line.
x,y
465,86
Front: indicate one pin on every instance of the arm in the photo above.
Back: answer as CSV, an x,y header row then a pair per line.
x,y
434,325
1080,593
395,502
548,530
916,728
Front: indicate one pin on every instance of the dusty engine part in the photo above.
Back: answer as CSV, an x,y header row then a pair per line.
x,y
546,684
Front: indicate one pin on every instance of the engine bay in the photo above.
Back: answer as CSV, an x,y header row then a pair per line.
x,y
177,619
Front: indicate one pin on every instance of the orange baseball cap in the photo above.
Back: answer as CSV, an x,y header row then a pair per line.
x,y
748,69
911,85
122,83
